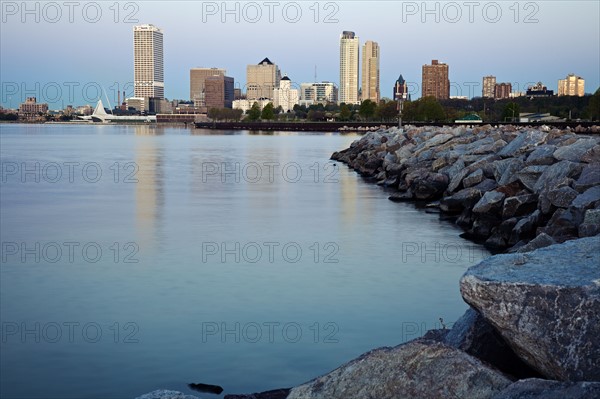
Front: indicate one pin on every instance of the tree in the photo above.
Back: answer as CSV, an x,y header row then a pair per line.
x,y
367,109
345,113
386,110
315,115
425,109
594,106
511,112
254,112
268,112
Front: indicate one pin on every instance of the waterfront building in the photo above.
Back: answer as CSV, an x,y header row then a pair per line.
x,y
435,82
318,93
31,108
539,90
489,85
262,79
197,83
572,85
349,68
148,62
370,72
284,96
218,92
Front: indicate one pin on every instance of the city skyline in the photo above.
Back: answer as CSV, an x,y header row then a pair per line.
x,y
298,48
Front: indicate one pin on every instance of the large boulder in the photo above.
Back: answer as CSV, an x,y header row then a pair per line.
x,y
536,388
590,176
522,143
545,304
491,200
574,152
556,173
542,155
418,369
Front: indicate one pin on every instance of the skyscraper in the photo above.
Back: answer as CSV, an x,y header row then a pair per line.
x,y
572,85
435,81
370,71
262,79
197,83
218,91
489,84
148,67
349,59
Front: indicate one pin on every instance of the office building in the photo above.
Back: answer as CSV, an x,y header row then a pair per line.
x,y
197,78
435,82
349,68
218,92
284,96
370,71
400,89
148,64
502,91
262,79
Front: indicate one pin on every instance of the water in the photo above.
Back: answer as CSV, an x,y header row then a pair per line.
x,y
290,267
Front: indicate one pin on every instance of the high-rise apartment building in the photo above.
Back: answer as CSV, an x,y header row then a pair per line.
x,y
435,81
489,85
572,85
148,79
349,64
262,79
218,91
197,83
400,89
370,71
502,90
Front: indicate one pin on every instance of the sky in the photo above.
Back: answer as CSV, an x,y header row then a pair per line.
x,y
65,54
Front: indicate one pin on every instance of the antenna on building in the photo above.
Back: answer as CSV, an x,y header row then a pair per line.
x,y
315,73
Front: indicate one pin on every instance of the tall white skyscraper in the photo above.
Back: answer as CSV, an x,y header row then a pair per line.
x,y
349,61
148,64
370,72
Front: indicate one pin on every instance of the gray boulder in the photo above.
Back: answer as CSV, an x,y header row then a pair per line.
x,y
541,241
562,197
574,152
491,200
590,177
519,205
529,175
592,155
473,179
545,304
591,223
542,155
556,173
587,199
522,143
535,388
418,369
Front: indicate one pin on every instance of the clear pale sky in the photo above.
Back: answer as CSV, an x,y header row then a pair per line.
x,y
475,38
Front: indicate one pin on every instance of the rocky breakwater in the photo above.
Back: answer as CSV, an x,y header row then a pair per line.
x,y
506,186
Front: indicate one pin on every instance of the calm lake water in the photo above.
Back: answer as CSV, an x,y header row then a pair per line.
x,y
136,258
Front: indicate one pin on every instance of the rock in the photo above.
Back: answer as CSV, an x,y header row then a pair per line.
x,y
562,197
522,143
591,223
166,394
535,388
541,241
431,186
590,177
519,205
464,199
574,152
525,228
402,196
555,173
418,369
588,199
529,175
491,200
274,394
506,169
542,155
545,304
563,225
592,155
472,334
457,179
473,179
486,185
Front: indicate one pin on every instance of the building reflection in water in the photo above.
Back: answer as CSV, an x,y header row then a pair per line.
x,y
149,195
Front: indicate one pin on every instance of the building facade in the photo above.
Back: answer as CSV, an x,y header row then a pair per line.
x,y
400,89
349,68
148,66
318,93
31,109
284,96
539,90
370,71
502,91
572,85
197,79
246,104
262,79
489,85
218,92
435,82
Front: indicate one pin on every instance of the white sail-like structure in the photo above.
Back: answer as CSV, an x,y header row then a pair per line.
x,y
100,115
